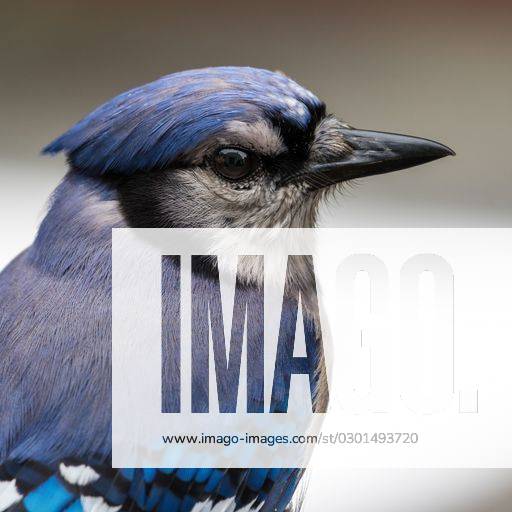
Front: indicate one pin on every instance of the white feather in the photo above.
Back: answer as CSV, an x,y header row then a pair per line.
x,y
97,504
9,495
203,506
78,475
227,505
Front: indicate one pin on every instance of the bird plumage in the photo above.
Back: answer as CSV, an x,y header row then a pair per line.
x,y
55,322
151,158
153,126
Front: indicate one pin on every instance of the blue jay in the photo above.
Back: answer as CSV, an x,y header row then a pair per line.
x,y
215,147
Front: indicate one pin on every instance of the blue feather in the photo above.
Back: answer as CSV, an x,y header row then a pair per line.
x,y
152,126
63,340
55,300
52,496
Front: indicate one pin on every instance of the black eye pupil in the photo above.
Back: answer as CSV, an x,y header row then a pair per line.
x,y
234,164
233,158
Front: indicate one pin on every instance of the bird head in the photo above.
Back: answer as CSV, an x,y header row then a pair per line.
x,y
228,147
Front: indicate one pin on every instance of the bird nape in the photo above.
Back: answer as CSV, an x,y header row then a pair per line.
x,y
215,147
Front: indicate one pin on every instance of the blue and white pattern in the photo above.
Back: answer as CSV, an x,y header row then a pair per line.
x,y
72,486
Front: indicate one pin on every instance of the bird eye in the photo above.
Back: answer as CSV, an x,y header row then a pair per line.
x,y
234,164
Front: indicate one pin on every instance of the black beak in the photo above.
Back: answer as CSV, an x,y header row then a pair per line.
x,y
378,153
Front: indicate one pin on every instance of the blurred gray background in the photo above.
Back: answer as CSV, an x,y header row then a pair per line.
x,y
433,69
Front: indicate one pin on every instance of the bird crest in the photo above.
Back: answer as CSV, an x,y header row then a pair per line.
x,y
157,124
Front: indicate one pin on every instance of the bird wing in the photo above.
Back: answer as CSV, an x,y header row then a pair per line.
x,y
33,431
75,486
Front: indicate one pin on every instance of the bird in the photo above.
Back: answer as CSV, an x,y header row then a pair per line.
x,y
223,147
